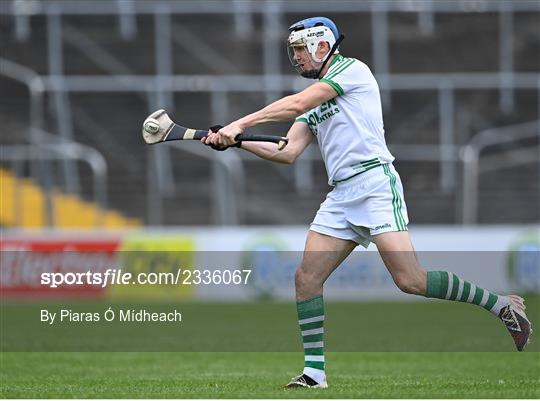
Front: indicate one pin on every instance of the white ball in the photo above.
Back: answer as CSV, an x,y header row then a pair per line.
x,y
151,126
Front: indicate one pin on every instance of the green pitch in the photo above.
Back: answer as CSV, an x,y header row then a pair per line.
x,y
260,375
352,329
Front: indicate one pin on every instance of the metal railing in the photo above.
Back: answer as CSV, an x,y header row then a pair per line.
x,y
55,150
36,89
470,155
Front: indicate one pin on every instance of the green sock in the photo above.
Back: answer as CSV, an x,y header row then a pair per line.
x,y
311,320
446,285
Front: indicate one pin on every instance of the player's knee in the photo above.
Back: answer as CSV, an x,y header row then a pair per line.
x,y
305,278
300,278
408,283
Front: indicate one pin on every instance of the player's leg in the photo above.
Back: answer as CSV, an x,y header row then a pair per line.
x,y
322,255
398,255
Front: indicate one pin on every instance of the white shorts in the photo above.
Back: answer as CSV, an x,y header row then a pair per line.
x,y
366,205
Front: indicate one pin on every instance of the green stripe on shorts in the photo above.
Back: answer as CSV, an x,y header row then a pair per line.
x,y
400,221
396,200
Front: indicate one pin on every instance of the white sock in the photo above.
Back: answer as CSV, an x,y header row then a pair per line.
x,y
502,301
316,374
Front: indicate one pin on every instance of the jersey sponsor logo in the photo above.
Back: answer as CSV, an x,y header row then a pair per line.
x,y
324,112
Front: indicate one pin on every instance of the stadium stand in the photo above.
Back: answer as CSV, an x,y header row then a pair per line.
x,y
69,211
110,122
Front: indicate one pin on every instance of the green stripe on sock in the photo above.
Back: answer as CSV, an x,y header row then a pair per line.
x,y
313,338
437,287
444,285
433,288
314,365
479,294
491,301
309,326
310,308
314,351
455,287
466,291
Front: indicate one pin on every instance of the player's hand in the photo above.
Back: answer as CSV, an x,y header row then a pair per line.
x,y
228,134
212,140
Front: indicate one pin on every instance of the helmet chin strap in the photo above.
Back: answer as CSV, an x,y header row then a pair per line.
x,y
314,74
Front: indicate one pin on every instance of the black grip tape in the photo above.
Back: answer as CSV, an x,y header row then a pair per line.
x,y
216,128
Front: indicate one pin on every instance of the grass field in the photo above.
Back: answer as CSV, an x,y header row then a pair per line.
x,y
250,372
261,375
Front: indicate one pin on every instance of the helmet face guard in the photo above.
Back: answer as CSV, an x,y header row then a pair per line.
x,y
302,49
302,61
303,44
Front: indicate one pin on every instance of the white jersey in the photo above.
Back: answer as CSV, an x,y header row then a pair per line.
x,y
349,128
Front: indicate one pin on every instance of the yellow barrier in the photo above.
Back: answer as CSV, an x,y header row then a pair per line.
x,y
23,196
7,198
32,204
155,257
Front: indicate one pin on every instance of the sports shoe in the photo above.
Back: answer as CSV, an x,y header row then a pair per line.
x,y
514,318
304,380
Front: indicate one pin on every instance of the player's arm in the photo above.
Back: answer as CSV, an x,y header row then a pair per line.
x,y
284,109
299,136
289,107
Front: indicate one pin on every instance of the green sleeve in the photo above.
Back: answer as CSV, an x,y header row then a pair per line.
x,y
334,85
